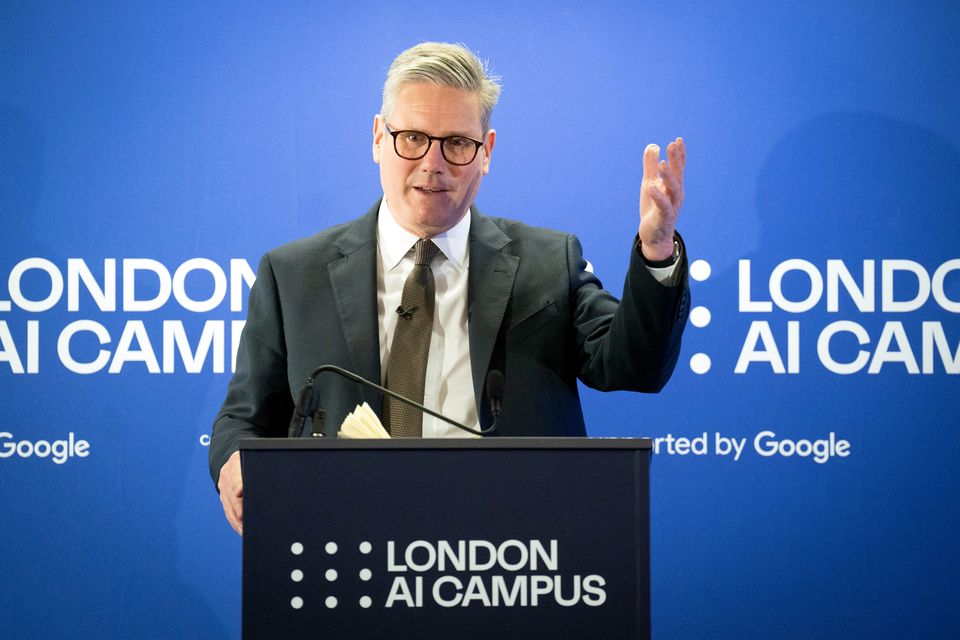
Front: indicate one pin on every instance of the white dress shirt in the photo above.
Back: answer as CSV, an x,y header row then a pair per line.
x,y
448,385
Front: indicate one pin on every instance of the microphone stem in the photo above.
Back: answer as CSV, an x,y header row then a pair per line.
x,y
397,396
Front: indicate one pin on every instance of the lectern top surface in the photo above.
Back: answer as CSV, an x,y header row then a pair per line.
x,y
641,444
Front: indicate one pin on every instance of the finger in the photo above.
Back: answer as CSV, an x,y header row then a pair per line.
x,y
235,519
676,155
683,153
232,498
670,182
651,155
236,502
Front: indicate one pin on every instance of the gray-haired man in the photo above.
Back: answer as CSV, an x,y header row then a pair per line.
x,y
506,295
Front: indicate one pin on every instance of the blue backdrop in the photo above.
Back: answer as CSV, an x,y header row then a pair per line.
x,y
164,147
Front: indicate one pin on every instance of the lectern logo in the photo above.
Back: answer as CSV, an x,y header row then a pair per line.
x,y
454,573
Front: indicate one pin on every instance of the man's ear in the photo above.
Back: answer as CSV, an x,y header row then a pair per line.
x,y
488,143
377,137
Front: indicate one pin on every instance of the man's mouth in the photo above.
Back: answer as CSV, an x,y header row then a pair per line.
x,y
430,189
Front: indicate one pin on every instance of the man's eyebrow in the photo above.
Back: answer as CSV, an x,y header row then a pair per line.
x,y
395,129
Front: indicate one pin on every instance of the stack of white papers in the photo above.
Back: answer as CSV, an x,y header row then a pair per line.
x,y
362,422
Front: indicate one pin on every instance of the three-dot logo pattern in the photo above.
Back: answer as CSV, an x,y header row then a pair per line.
x,y
330,575
700,317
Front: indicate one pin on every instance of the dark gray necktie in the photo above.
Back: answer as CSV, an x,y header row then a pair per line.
x,y
407,365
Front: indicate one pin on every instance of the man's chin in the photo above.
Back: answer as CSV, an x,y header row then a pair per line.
x,y
434,220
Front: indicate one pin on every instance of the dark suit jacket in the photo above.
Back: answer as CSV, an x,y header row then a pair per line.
x,y
534,312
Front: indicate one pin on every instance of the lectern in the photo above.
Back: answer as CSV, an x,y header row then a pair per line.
x,y
506,538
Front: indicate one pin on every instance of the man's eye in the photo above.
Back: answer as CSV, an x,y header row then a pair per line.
x,y
458,143
414,138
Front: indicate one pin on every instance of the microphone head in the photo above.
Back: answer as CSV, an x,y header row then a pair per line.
x,y
305,402
495,384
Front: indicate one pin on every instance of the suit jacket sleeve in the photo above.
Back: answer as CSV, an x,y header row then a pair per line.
x,y
258,402
562,325
630,345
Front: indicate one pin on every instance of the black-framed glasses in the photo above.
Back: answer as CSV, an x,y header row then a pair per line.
x,y
413,145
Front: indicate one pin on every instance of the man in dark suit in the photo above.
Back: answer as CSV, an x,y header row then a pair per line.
x,y
508,296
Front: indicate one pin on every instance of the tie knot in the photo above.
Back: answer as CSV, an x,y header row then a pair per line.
x,y
425,250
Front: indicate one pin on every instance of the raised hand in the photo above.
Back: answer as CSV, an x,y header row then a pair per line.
x,y
661,195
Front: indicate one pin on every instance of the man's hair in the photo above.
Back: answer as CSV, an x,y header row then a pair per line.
x,y
446,65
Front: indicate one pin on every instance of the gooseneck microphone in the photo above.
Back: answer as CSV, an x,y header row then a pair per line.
x,y
495,392
307,407
307,404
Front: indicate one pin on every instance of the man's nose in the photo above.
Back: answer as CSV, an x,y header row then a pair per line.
x,y
434,162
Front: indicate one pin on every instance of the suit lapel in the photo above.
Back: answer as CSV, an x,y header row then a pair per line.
x,y
353,277
491,277
354,280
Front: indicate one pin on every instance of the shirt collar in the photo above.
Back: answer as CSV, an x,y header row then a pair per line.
x,y
395,242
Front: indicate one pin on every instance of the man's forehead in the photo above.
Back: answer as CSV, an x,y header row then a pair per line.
x,y
437,110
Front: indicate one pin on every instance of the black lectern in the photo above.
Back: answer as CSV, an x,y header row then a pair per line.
x,y
507,538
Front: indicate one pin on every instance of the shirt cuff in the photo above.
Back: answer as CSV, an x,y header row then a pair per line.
x,y
668,276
